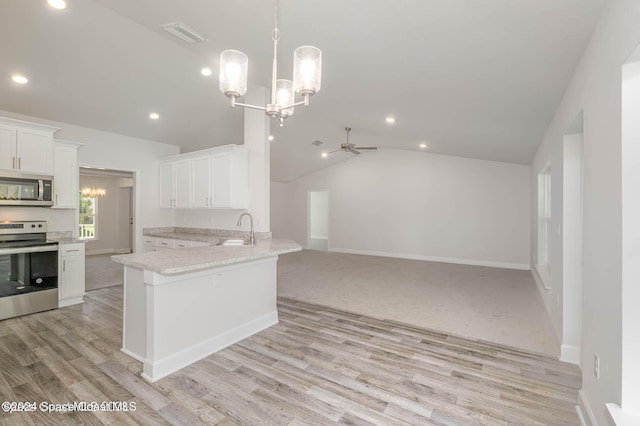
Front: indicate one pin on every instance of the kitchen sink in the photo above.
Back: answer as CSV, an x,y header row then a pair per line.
x,y
234,242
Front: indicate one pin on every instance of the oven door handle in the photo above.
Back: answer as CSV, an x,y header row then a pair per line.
x,y
37,249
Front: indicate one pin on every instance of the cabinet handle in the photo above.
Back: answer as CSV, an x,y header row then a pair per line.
x,y
18,163
56,199
69,251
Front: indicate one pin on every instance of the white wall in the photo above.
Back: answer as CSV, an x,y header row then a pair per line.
x,y
595,88
110,151
418,205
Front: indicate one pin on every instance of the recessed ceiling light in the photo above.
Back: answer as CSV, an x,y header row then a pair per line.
x,y
423,145
324,154
206,72
57,4
154,116
19,78
390,120
270,138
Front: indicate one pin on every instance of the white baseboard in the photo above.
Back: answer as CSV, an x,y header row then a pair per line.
x,y
132,355
520,266
107,251
571,354
70,301
155,370
583,408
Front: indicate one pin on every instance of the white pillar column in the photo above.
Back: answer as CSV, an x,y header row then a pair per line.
x,y
256,140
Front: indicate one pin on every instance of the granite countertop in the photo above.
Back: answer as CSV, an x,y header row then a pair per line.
x,y
185,260
187,236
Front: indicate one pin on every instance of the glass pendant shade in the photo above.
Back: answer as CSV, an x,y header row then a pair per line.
x,y
233,73
307,70
285,96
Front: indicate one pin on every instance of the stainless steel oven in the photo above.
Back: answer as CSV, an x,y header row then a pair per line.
x,y
28,269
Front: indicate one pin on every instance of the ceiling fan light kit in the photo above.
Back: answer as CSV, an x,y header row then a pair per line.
x,y
307,70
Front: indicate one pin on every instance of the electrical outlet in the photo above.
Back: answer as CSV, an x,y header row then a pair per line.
x,y
596,366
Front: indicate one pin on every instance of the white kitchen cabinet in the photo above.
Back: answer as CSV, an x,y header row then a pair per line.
x,y
217,178
230,179
71,285
7,147
175,184
65,175
182,184
160,244
26,147
201,182
167,197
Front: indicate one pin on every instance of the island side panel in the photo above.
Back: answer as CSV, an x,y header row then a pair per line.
x,y
193,315
134,331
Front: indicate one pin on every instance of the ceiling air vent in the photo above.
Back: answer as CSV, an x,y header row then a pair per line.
x,y
184,33
317,143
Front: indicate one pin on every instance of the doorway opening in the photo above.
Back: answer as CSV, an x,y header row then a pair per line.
x,y
318,221
571,293
106,214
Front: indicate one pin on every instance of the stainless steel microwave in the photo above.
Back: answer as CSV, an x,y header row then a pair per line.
x,y
18,189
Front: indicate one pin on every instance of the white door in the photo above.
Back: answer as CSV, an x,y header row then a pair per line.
x,y
318,221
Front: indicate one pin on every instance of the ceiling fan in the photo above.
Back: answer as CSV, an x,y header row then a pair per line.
x,y
350,147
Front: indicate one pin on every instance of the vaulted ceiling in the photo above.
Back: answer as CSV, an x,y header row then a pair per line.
x,y
476,78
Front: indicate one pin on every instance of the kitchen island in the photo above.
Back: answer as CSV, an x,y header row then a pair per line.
x,y
182,305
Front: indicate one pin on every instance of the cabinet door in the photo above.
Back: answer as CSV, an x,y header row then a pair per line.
x,y
166,185
201,182
221,180
34,152
7,148
182,181
71,277
65,177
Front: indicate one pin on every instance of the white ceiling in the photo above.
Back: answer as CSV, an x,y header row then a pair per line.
x,y
476,78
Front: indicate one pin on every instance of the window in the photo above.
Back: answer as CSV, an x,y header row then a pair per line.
x,y
544,217
88,217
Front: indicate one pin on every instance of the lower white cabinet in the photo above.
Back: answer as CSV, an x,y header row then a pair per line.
x,y
70,274
160,244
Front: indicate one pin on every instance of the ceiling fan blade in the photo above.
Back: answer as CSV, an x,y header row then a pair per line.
x,y
354,151
366,147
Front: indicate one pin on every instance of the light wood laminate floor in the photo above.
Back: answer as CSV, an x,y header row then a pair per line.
x,y
317,366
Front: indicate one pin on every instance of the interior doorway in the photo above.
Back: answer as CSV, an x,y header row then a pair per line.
x,y
318,221
106,220
572,252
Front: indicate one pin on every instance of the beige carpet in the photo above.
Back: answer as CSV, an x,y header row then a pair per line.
x,y
492,304
101,272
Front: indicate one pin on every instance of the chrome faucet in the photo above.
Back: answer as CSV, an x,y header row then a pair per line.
x,y
252,236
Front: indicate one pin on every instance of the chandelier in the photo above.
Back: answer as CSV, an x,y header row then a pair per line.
x,y
307,63
93,192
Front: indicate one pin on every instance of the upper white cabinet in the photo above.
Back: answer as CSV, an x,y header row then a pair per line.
x,y
211,178
65,174
26,147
